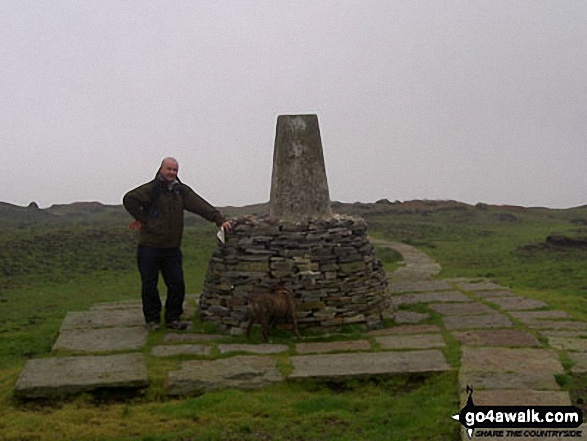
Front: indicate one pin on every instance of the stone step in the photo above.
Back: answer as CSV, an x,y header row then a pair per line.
x,y
59,377
497,337
196,377
103,319
418,286
454,322
429,297
343,366
333,346
102,339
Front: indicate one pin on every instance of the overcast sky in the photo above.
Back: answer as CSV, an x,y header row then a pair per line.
x,y
476,101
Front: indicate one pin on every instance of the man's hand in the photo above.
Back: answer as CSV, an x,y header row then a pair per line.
x,y
135,225
227,226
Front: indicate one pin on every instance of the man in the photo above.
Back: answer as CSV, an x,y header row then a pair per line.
x,y
157,207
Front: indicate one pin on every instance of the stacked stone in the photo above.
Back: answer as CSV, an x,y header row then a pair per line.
x,y
328,264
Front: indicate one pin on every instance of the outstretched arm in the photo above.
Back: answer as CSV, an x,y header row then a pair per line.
x,y
198,205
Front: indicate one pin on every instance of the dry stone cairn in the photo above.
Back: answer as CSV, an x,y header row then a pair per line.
x,y
325,259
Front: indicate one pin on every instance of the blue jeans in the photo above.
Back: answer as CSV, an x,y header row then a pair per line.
x,y
168,261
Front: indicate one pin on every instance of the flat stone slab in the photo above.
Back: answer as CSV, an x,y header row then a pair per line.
x,y
130,304
102,339
568,343
172,350
470,308
507,380
525,316
406,329
453,322
522,360
174,336
579,333
516,303
416,271
519,397
103,319
556,324
425,341
333,346
341,366
483,294
497,337
429,297
419,286
580,359
58,377
242,372
481,286
402,317
267,348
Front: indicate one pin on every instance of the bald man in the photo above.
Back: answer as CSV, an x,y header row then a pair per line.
x,y
157,208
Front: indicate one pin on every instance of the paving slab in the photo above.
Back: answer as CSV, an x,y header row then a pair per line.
x,y
403,317
507,380
429,297
580,360
406,329
525,316
483,294
196,377
342,366
333,346
519,397
102,339
267,348
524,360
416,271
516,303
469,308
424,341
130,304
419,286
185,349
568,343
454,322
103,319
549,333
497,337
187,337
556,324
484,285
58,377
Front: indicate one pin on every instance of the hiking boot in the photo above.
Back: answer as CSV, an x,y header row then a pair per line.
x,y
177,325
153,326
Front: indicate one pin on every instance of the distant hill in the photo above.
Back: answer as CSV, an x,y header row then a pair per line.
x,y
91,213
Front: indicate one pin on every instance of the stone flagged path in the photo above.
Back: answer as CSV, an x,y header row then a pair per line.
x,y
59,377
502,358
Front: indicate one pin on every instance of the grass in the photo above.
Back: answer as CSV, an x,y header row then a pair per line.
x,y
48,270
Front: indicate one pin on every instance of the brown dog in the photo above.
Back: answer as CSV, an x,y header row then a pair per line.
x,y
267,306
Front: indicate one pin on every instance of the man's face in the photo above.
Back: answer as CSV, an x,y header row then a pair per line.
x,y
169,170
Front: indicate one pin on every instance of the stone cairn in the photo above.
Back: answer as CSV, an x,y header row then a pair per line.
x,y
325,260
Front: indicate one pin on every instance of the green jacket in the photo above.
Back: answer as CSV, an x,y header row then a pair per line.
x,y
160,210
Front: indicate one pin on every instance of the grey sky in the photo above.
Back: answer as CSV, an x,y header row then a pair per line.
x,y
477,101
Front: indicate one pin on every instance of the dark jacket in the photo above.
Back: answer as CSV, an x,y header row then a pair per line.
x,y
160,210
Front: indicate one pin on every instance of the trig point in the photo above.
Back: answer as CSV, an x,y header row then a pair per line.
x,y
299,189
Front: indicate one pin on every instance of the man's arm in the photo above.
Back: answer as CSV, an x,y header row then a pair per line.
x,y
198,205
135,201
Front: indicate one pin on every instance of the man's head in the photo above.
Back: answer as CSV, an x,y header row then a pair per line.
x,y
169,169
